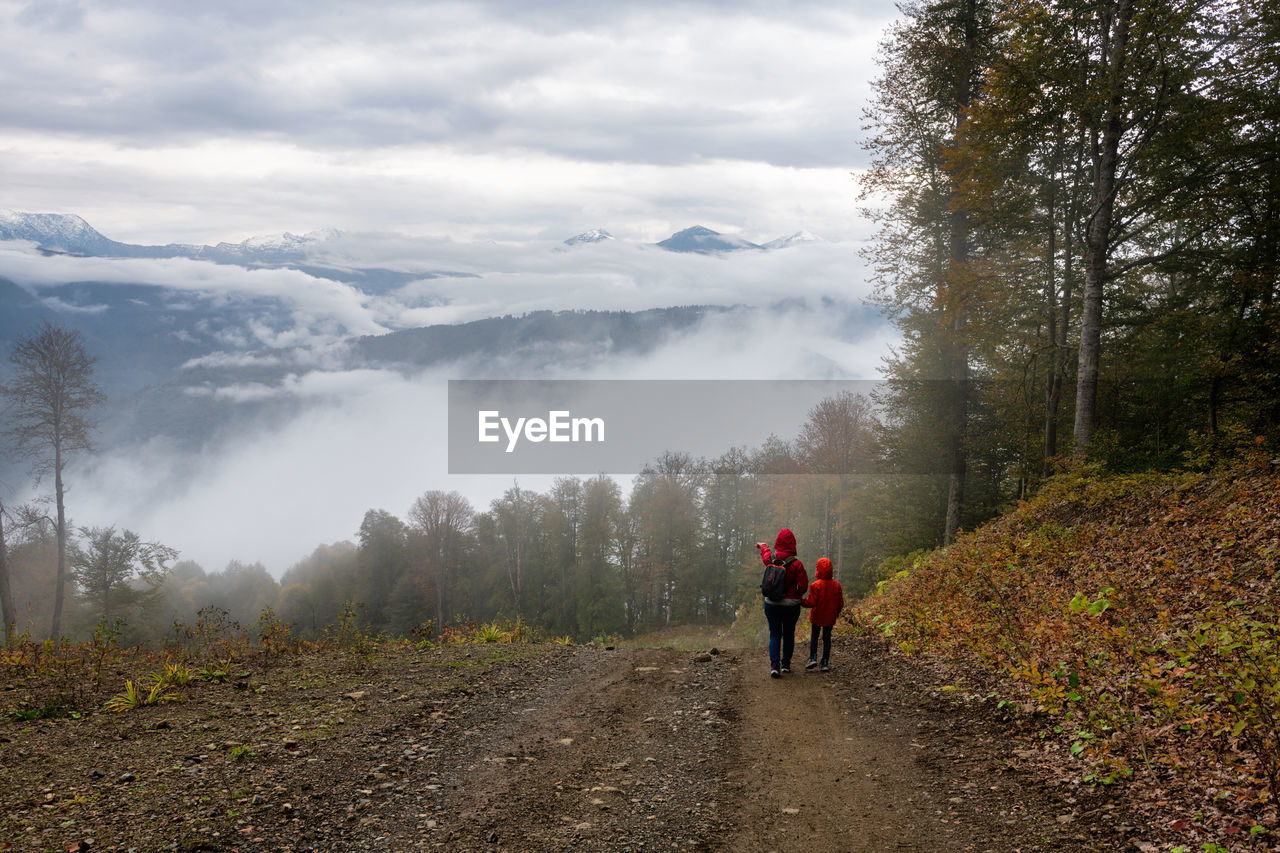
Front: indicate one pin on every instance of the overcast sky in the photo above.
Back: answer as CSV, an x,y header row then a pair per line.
x,y
425,130
174,122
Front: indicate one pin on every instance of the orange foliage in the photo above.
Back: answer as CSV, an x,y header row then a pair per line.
x,y
1135,615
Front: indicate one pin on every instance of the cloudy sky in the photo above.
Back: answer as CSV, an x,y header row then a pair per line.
x,y
161,122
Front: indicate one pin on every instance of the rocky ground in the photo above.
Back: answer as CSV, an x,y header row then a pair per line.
x,y
543,747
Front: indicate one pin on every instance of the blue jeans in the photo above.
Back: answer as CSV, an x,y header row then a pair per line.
x,y
825,632
782,632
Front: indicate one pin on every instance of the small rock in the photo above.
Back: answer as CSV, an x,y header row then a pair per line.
x,y
257,800
128,777
493,838
703,658
287,808
790,811
356,695
96,773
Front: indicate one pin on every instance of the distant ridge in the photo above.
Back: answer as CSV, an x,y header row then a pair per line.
x,y
64,233
55,233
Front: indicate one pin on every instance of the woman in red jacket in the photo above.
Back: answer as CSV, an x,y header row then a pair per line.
x,y
826,600
784,612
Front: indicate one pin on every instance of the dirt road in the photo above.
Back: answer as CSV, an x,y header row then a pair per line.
x,y
656,749
541,748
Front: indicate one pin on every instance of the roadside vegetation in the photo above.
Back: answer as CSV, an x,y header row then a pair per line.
x,y
1130,622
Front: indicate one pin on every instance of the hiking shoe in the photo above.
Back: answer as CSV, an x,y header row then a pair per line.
x,y
786,669
812,663
773,673
826,668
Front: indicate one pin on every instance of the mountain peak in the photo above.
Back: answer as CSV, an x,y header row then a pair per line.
x,y
704,241
595,235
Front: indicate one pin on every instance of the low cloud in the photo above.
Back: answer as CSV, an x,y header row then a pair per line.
x,y
364,439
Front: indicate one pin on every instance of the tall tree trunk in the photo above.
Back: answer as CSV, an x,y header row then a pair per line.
x,y
959,284
440,583
1106,158
1061,360
1053,379
55,630
7,610
839,575
959,416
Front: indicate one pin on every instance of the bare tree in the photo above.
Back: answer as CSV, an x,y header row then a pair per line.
x,y
50,398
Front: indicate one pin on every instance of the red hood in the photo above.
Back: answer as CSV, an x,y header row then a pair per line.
x,y
823,568
785,545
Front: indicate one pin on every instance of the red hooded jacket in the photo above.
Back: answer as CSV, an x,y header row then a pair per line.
x,y
825,596
797,577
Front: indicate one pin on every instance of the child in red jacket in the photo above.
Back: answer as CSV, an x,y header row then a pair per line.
x,y
825,600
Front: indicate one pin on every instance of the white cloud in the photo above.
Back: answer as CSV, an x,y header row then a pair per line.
x,y
319,308
216,122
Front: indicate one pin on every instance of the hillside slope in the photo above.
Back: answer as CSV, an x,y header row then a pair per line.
x,y
1130,623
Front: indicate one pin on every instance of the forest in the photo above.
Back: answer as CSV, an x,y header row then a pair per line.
x,y
582,560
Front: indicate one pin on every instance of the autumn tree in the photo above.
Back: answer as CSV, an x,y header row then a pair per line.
x,y
51,396
933,61
1129,77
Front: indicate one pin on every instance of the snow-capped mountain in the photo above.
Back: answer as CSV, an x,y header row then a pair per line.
x,y
60,232
270,248
705,241
796,239
595,235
